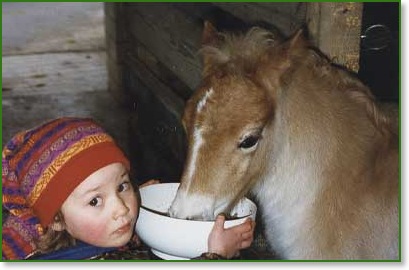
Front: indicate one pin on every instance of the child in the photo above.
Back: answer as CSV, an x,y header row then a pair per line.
x,y
67,181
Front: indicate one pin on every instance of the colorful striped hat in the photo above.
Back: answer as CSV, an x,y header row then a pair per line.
x,y
40,169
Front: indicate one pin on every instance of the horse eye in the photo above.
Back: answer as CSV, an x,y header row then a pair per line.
x,y
249,142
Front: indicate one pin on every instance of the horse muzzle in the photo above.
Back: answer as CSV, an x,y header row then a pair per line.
x,y
194,207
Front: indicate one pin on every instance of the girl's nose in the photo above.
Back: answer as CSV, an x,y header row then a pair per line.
x,y
120,208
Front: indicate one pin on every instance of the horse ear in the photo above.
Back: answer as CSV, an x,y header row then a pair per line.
x,y
281,59
209,35
210,38
297,41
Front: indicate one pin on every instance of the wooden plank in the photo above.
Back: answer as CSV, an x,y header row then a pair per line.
x,y
157,147
115,39
287,17
173,103
221,19
159,70
170,35
336,30
158,143
63,72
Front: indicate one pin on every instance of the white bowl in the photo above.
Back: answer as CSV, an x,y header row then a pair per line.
x,y
178,239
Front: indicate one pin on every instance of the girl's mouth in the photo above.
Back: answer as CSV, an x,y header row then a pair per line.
x,y
124,229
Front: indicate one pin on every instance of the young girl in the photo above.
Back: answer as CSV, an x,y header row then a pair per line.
x,y
66,181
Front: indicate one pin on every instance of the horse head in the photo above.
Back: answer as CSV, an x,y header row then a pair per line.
x,y
226,121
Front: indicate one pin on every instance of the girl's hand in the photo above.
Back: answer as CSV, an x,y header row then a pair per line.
x,y
228,242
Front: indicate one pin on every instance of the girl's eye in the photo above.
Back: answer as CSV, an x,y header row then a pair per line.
x,y
123,186
96,201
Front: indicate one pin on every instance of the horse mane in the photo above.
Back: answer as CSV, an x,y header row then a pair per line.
x,y
382,119
318,63
240,55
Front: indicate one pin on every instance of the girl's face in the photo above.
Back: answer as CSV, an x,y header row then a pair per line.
x,y
103,209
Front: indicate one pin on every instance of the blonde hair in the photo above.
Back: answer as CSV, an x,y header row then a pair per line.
x,y
53,240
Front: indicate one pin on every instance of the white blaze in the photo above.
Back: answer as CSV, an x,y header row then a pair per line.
x,y
203,101
194,205
197,143
197,135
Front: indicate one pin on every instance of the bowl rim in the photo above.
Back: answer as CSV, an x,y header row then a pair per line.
x,y
164,215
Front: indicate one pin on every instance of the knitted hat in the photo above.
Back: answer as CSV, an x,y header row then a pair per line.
x,y
40,169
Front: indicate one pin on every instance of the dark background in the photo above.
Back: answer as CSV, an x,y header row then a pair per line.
x,y
379,69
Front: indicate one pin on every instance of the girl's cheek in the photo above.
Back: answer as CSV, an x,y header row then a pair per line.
x,y
93,233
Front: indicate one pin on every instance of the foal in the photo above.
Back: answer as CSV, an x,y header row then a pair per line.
x,y
305,137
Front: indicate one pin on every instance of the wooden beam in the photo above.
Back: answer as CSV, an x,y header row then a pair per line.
x,y
170,35
335,28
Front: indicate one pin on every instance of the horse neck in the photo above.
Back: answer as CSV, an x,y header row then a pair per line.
x,y
313,132
286,178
